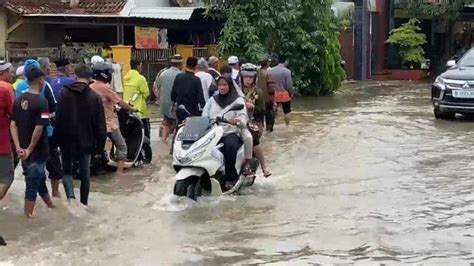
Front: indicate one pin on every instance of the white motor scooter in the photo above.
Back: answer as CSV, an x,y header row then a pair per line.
x,y
199,163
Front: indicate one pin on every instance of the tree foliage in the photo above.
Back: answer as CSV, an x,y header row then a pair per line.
x,y
305,31
449,9
410,41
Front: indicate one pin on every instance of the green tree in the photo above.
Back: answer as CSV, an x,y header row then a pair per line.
x,y
305,31
449,9
410,41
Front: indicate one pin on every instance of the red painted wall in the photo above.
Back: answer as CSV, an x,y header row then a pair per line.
x,y
346,39
381,30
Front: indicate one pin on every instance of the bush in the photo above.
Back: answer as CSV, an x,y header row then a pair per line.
x,y
410,42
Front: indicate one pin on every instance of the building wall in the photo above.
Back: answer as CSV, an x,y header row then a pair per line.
x,y
381,33
3,31
32,33
346,39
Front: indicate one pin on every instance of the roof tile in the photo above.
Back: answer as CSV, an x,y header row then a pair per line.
x,y
31,7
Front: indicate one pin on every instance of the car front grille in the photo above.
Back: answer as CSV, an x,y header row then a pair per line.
x,y
459,84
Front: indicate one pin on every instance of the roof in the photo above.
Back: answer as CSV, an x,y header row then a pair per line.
x,y
171,13
56,7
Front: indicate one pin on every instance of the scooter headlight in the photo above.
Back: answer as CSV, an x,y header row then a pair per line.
x,y
198,153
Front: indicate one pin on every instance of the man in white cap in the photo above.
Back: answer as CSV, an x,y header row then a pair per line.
x,y
164,83
7,99
20,76
213,66
206,79
233,62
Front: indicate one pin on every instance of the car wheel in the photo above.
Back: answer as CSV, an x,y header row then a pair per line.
x,y
444,115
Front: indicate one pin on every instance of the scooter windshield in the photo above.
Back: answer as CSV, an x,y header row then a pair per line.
x,y
195,128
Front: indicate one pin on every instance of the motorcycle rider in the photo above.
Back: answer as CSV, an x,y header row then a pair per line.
x,y
103,75
216,107
255,103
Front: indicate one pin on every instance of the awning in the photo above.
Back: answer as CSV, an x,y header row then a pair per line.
x,y
169,13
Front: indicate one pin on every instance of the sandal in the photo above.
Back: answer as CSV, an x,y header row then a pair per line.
x,y
267,174
229,185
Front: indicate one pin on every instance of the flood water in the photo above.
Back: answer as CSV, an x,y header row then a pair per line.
x,y
366,177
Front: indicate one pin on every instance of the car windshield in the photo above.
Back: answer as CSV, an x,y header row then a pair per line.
x,y
467,60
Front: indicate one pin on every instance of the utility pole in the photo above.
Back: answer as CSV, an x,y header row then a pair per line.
x,y
361,34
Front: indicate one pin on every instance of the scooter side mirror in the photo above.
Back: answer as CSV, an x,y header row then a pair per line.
x,y
183,108
237,107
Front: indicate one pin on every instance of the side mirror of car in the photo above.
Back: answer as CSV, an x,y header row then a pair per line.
x,y
450,63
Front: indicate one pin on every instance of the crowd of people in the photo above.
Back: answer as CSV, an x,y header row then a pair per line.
x,y
55,122
203,90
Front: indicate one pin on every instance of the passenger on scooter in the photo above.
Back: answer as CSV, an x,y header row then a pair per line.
x,y
232,140
102,75
255,103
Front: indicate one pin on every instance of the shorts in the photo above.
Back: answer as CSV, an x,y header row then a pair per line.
x,y
120,145
256,139
259,117
7,172
54,163
286,107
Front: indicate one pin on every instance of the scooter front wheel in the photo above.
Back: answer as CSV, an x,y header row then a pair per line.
x,y
147,154
188,188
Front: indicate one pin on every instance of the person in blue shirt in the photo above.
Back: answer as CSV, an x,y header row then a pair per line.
x,y
63,78
54,163
46,92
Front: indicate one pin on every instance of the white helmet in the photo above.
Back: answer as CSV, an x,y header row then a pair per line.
x,y
97,59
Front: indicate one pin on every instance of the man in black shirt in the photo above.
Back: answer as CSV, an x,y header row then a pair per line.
x,y
80,131
187,91
28,129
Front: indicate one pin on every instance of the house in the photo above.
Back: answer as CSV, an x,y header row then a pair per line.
x,y
49,23
94,23
443,39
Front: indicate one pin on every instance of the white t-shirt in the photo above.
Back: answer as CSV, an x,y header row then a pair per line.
x,y
206,82
235,73
117,84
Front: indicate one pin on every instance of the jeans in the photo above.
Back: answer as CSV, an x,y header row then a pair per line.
x,y
120,145
35,178
232,144
84,174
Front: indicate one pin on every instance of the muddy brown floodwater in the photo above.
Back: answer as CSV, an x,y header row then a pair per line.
x,y
366,177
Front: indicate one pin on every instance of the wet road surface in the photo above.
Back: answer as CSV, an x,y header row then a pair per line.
x,y
367,177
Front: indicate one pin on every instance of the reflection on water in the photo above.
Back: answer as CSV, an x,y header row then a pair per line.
x,y
365,177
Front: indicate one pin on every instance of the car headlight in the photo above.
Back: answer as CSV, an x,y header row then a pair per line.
x,y
440,81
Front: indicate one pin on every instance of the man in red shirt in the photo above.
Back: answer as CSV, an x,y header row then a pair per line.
x,y
7,99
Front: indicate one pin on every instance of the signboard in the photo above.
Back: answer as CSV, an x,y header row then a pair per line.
x,y
147,38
